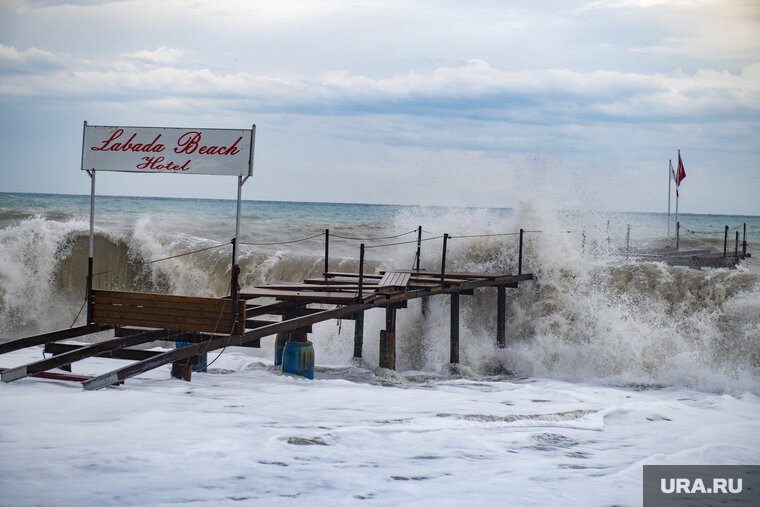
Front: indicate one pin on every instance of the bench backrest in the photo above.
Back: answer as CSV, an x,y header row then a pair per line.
x,y
165,311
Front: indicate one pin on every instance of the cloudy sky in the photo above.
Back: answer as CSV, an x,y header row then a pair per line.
x,y
573,104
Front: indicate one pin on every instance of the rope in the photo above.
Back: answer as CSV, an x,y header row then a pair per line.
x,y
78,313
710,233
401,243
282,242
216,326
171,257
374,239
484,235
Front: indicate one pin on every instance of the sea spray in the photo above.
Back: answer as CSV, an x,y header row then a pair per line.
x,y
588,316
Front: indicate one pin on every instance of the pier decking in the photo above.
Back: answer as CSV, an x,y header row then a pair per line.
x,y
246,316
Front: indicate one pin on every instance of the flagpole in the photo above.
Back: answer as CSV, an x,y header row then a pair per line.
x,y
677,182
670,170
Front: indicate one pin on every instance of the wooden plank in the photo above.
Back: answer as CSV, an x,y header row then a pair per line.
x,y
333,281
79,353
179,323
315,287
395,279
153,298
351,275
253,323
211,307
59,376
185,313
217,343
224,314
437,274
131,354
53,336
302,295
271,309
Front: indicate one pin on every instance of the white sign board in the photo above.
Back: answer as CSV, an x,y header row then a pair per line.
x,y
168,150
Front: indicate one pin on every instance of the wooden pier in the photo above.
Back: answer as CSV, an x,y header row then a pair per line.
x,y
285,310
248,315
729,258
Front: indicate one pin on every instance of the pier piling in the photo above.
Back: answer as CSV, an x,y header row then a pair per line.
x,y
520,253
358,334
327,251
736,248
443,259
454,329
725,241
388,340
501,317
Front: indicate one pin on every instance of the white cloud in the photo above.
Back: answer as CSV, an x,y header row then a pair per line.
x,y
160,56
473,90
30,60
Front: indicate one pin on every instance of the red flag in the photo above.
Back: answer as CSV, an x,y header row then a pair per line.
x,y
681,171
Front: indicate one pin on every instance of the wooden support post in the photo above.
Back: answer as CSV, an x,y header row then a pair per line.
x,y
358,334
88,291
235,295
425,305
443,259
736,248
454,329
279,346
183,369
327,252
744,241
520,252
64,367
725,241
501,317
419,248
360,295
299,335
388,340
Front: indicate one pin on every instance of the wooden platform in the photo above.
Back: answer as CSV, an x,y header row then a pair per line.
x,y
210,324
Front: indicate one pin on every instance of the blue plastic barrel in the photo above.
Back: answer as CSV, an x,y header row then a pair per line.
x,y
298,359
202,359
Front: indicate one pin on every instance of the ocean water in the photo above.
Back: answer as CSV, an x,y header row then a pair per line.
x,y
610,363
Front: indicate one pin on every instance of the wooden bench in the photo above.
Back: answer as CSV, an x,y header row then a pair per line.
x,y
393,281
165,311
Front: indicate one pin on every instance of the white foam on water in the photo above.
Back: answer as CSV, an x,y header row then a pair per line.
x,y
245,433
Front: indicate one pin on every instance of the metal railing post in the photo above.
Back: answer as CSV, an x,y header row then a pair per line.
x,y
327,251
443,258
520,254
361,271
419,248
725,241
